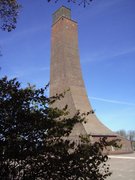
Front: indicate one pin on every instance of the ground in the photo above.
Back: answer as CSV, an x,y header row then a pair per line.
x,y
122,167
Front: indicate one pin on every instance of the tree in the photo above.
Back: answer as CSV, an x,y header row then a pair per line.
x,y
130,135
9,10
122,133
79,2
34,138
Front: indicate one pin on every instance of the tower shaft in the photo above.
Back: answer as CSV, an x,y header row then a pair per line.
x,y
66,73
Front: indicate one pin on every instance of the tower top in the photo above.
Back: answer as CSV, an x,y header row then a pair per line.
x,y
61,12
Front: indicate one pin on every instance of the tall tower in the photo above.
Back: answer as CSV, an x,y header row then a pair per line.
x,y
66,74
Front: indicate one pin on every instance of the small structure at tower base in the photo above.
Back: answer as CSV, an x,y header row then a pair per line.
x,y
66,74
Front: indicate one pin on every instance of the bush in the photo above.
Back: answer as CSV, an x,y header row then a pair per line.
x,y
34,141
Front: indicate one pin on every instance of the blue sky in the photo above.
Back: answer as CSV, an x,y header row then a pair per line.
x,y
107,53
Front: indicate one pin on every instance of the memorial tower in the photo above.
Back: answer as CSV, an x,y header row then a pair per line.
x,y
65,73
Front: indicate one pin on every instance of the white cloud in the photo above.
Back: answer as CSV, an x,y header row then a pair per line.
x,y
101,6
28,71
23,33
107,54
112,101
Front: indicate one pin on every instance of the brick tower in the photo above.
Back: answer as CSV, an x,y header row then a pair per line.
x,y
66,74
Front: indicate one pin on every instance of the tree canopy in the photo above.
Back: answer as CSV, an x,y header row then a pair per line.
x,y
34,138
9,10
79,2
130,135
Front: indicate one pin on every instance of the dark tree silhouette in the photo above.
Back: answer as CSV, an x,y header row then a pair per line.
x,y
79,2
9,10
8,14
34,139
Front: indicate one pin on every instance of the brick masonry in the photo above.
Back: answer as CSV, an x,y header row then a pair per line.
x,y
66,74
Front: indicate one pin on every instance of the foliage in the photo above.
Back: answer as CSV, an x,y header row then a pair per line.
x,y
122,133
9,10
130,135
34,139
84,2
8,14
